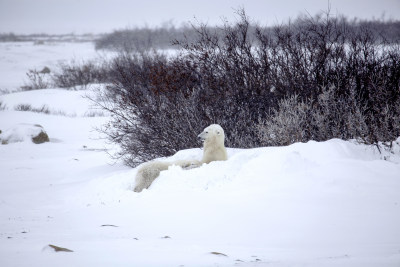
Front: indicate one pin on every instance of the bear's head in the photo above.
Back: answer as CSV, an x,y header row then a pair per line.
x,y
213,138
212,133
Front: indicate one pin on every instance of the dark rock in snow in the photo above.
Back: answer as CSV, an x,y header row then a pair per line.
x,y
60,249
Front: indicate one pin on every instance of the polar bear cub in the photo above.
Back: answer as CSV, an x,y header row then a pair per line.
x,y
213,138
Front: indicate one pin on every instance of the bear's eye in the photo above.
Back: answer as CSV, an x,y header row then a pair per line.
x,y
206,132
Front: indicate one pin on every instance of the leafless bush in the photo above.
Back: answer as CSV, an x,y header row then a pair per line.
x,y
2,106
38,79
159,105
286,125
316,79
23,107
152,108
27,107
346,83
330,116
94,113
73,74
43,109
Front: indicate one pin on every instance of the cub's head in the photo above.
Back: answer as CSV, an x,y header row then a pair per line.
x,y
213,132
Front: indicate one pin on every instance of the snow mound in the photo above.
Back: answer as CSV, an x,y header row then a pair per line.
x,y
266,170
24,132
320,203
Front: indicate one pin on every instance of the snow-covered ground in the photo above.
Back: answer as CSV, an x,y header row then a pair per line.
x,y
331,203
17,58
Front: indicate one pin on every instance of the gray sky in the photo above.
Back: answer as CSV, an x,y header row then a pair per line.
x,y
85,16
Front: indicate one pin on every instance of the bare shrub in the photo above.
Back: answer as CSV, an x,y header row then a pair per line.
x,y
337,116
330,116
347,79
159,105
43,109
150,104
315,79
73,74
27,107
2,106
94,113
23,107
286,125
38,79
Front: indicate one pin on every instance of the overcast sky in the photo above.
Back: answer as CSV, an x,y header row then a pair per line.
x,y
96,16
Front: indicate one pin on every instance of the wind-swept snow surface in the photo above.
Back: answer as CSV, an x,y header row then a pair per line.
x,y
332,203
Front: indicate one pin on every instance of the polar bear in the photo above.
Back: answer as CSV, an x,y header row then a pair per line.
x,y
213,138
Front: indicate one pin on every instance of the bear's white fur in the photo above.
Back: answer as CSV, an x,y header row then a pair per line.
x,y
213,138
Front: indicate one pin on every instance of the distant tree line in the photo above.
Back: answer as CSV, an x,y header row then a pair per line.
x,y
43,37
144,38
138,39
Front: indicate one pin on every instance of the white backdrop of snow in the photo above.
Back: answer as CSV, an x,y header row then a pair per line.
x,y
331,203
57,101
17,58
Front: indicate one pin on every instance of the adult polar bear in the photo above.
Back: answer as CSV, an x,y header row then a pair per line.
x,y
213,138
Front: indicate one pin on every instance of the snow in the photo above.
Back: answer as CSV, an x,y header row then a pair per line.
x,y
17,58
73,103
333,203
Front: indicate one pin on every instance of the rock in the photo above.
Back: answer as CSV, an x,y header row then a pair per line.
x,y
218,254
109,225
59,249
23,132
42,137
